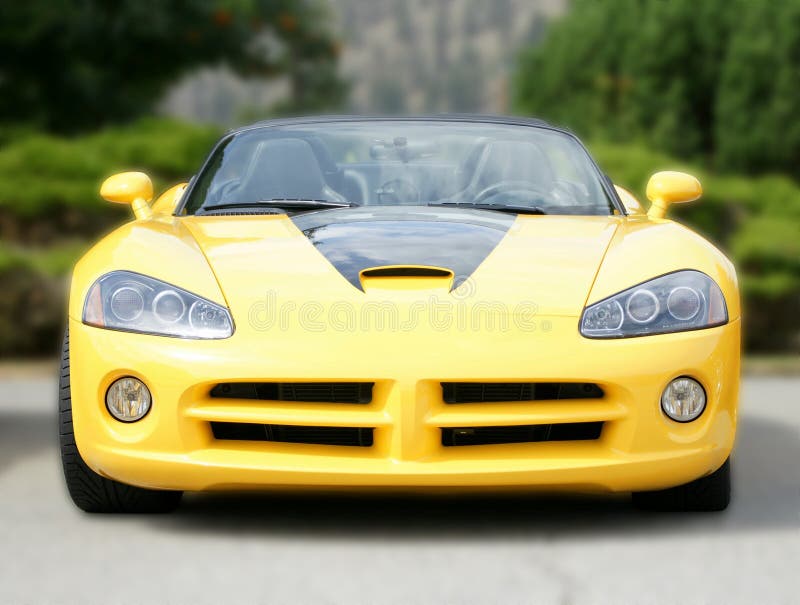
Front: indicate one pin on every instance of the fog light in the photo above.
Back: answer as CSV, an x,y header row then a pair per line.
x,y
683,400
128,399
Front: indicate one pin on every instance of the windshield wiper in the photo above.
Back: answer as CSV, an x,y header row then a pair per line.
x,y
296,204
497,207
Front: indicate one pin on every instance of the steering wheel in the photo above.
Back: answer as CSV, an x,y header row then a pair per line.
x,y
508,187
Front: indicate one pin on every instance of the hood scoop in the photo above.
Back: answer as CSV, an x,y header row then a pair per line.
x,y
406,277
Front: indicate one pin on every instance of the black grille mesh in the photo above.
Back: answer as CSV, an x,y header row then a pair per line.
x,y
484,392
283,433
530,433
312,392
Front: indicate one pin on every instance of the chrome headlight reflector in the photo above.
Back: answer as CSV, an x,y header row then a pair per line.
x,y
676,302
127,301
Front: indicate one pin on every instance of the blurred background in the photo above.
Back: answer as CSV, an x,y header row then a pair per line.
x,y
93,87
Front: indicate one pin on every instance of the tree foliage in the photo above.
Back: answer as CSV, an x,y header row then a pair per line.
x,y
758,116
75,65
716,80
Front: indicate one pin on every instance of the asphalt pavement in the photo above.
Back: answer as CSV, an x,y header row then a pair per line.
x,y
312,549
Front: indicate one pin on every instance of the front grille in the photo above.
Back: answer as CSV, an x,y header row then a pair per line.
x,y
312,392
484,392
284,433
530,433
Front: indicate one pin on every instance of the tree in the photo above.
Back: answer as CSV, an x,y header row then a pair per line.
x,y
758,127
72,65
716,80
578,75
673,61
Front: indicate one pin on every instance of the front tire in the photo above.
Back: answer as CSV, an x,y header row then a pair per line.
x,y
709,493
89,491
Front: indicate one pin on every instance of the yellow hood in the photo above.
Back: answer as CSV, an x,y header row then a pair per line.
x,y
546,262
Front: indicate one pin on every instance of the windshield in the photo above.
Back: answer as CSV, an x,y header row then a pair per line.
x,y
401,163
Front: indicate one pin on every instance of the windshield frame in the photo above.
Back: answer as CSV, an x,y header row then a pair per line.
x,y
604,180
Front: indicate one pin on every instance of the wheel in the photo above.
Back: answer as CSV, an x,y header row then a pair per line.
x,y
709,493
88,490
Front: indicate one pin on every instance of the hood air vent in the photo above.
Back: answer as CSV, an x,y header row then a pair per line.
x,y
411,271
403,277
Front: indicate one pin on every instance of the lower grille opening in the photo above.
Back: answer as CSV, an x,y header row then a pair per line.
x,y
309,392
480,392
285,433
528,433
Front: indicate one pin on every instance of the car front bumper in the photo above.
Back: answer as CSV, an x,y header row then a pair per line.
x,y
173,447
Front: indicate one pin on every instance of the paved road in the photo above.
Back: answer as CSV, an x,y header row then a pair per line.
x,y
314,550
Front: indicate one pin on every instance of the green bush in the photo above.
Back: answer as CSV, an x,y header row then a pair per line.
x,y
41,171
49,185
33,304
714,80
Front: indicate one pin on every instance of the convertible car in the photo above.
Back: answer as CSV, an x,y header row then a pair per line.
x,y
412,304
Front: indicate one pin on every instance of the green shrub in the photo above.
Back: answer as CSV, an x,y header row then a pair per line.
x,y
55,181
715,80
55,261
33,304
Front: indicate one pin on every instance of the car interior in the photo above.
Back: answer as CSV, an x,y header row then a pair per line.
x,y
300,166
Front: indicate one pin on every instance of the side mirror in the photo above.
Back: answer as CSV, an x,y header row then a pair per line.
x,y
134,188
666,188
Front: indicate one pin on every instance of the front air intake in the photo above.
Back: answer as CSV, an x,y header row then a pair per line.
x,y
487,392
309,392
284,433
531,433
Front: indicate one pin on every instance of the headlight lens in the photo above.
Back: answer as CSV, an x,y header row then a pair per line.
x,y
128,301
680,301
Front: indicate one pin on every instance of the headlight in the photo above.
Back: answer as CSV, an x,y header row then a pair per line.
x,y
684,300
127,301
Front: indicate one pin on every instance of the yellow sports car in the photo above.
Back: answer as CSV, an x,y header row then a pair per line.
x,y
411,304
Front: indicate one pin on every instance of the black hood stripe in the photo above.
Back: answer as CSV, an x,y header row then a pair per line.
x,y
356,239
